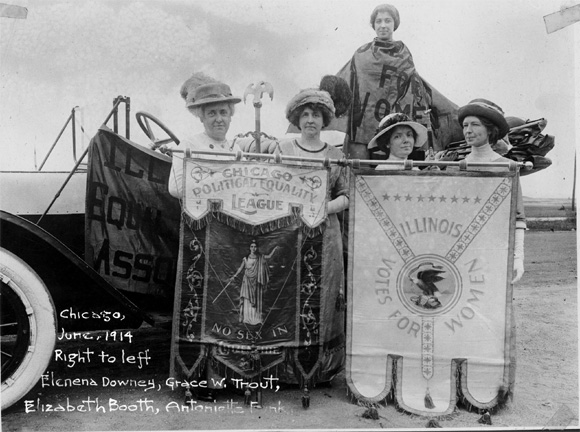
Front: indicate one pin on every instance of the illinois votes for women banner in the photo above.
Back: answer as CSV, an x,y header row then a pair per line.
x,y
430,317
248,300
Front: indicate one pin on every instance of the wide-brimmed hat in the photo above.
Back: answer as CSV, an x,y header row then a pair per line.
x,y
210,93
307,96
398,119
487,109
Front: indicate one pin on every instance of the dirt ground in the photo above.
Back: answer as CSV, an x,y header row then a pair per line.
x,y
546,390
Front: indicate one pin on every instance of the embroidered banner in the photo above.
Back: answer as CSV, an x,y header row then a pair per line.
x,y
430,258
131,221
255,193
248,291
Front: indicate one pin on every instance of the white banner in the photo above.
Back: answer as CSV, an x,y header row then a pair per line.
x,y
255,192
429,291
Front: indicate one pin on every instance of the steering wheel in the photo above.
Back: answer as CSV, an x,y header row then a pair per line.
x,y
143,120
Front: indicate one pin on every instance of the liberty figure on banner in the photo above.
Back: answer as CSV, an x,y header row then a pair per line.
x,y
254,283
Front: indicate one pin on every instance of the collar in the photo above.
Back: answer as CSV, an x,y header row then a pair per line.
x,y
482,154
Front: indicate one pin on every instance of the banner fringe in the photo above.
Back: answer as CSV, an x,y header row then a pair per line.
x,y
264,228
504,394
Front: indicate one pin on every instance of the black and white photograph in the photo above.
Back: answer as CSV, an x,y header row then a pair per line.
x,y
289,215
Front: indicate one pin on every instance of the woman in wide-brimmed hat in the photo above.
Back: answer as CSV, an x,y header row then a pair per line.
x,y
311,110
214,105
397,136
483,124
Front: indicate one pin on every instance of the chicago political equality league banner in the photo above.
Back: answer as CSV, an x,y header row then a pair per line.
x,y
429,292
249,272
131,221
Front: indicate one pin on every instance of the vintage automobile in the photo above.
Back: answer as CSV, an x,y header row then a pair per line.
x,y
46,284
50,278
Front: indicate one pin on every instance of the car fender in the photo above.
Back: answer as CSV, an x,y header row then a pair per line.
x,y
83,299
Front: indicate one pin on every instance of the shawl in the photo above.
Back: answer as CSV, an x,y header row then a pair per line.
x,y
383,79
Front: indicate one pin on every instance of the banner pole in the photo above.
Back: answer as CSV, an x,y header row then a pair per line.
x,y
408,164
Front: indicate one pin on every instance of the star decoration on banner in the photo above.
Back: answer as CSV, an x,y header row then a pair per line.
x,y
442,199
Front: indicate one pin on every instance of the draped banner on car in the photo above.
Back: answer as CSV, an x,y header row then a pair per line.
x,y
131,221
430,317
248,282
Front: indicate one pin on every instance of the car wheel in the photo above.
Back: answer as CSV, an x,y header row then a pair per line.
x,y
28,327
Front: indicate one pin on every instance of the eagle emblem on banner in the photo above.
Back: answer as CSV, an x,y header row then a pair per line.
x,y
429,291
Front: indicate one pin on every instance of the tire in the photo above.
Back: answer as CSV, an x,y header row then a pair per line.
x,y
28,331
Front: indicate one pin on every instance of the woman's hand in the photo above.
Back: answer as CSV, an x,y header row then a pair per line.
x,y
441,156
518,254
518,269
446,156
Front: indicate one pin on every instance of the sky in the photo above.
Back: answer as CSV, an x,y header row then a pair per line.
x,y
86,52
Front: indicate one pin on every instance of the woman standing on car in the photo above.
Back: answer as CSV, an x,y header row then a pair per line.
x,y
383,80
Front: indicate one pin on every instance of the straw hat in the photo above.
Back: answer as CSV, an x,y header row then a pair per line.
x,y
391,121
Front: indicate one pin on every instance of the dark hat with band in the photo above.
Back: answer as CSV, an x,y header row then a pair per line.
x,y
210,93
487,109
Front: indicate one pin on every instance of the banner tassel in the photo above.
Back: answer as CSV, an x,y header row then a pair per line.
x,y
340,304
371,413
306,398
428,400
